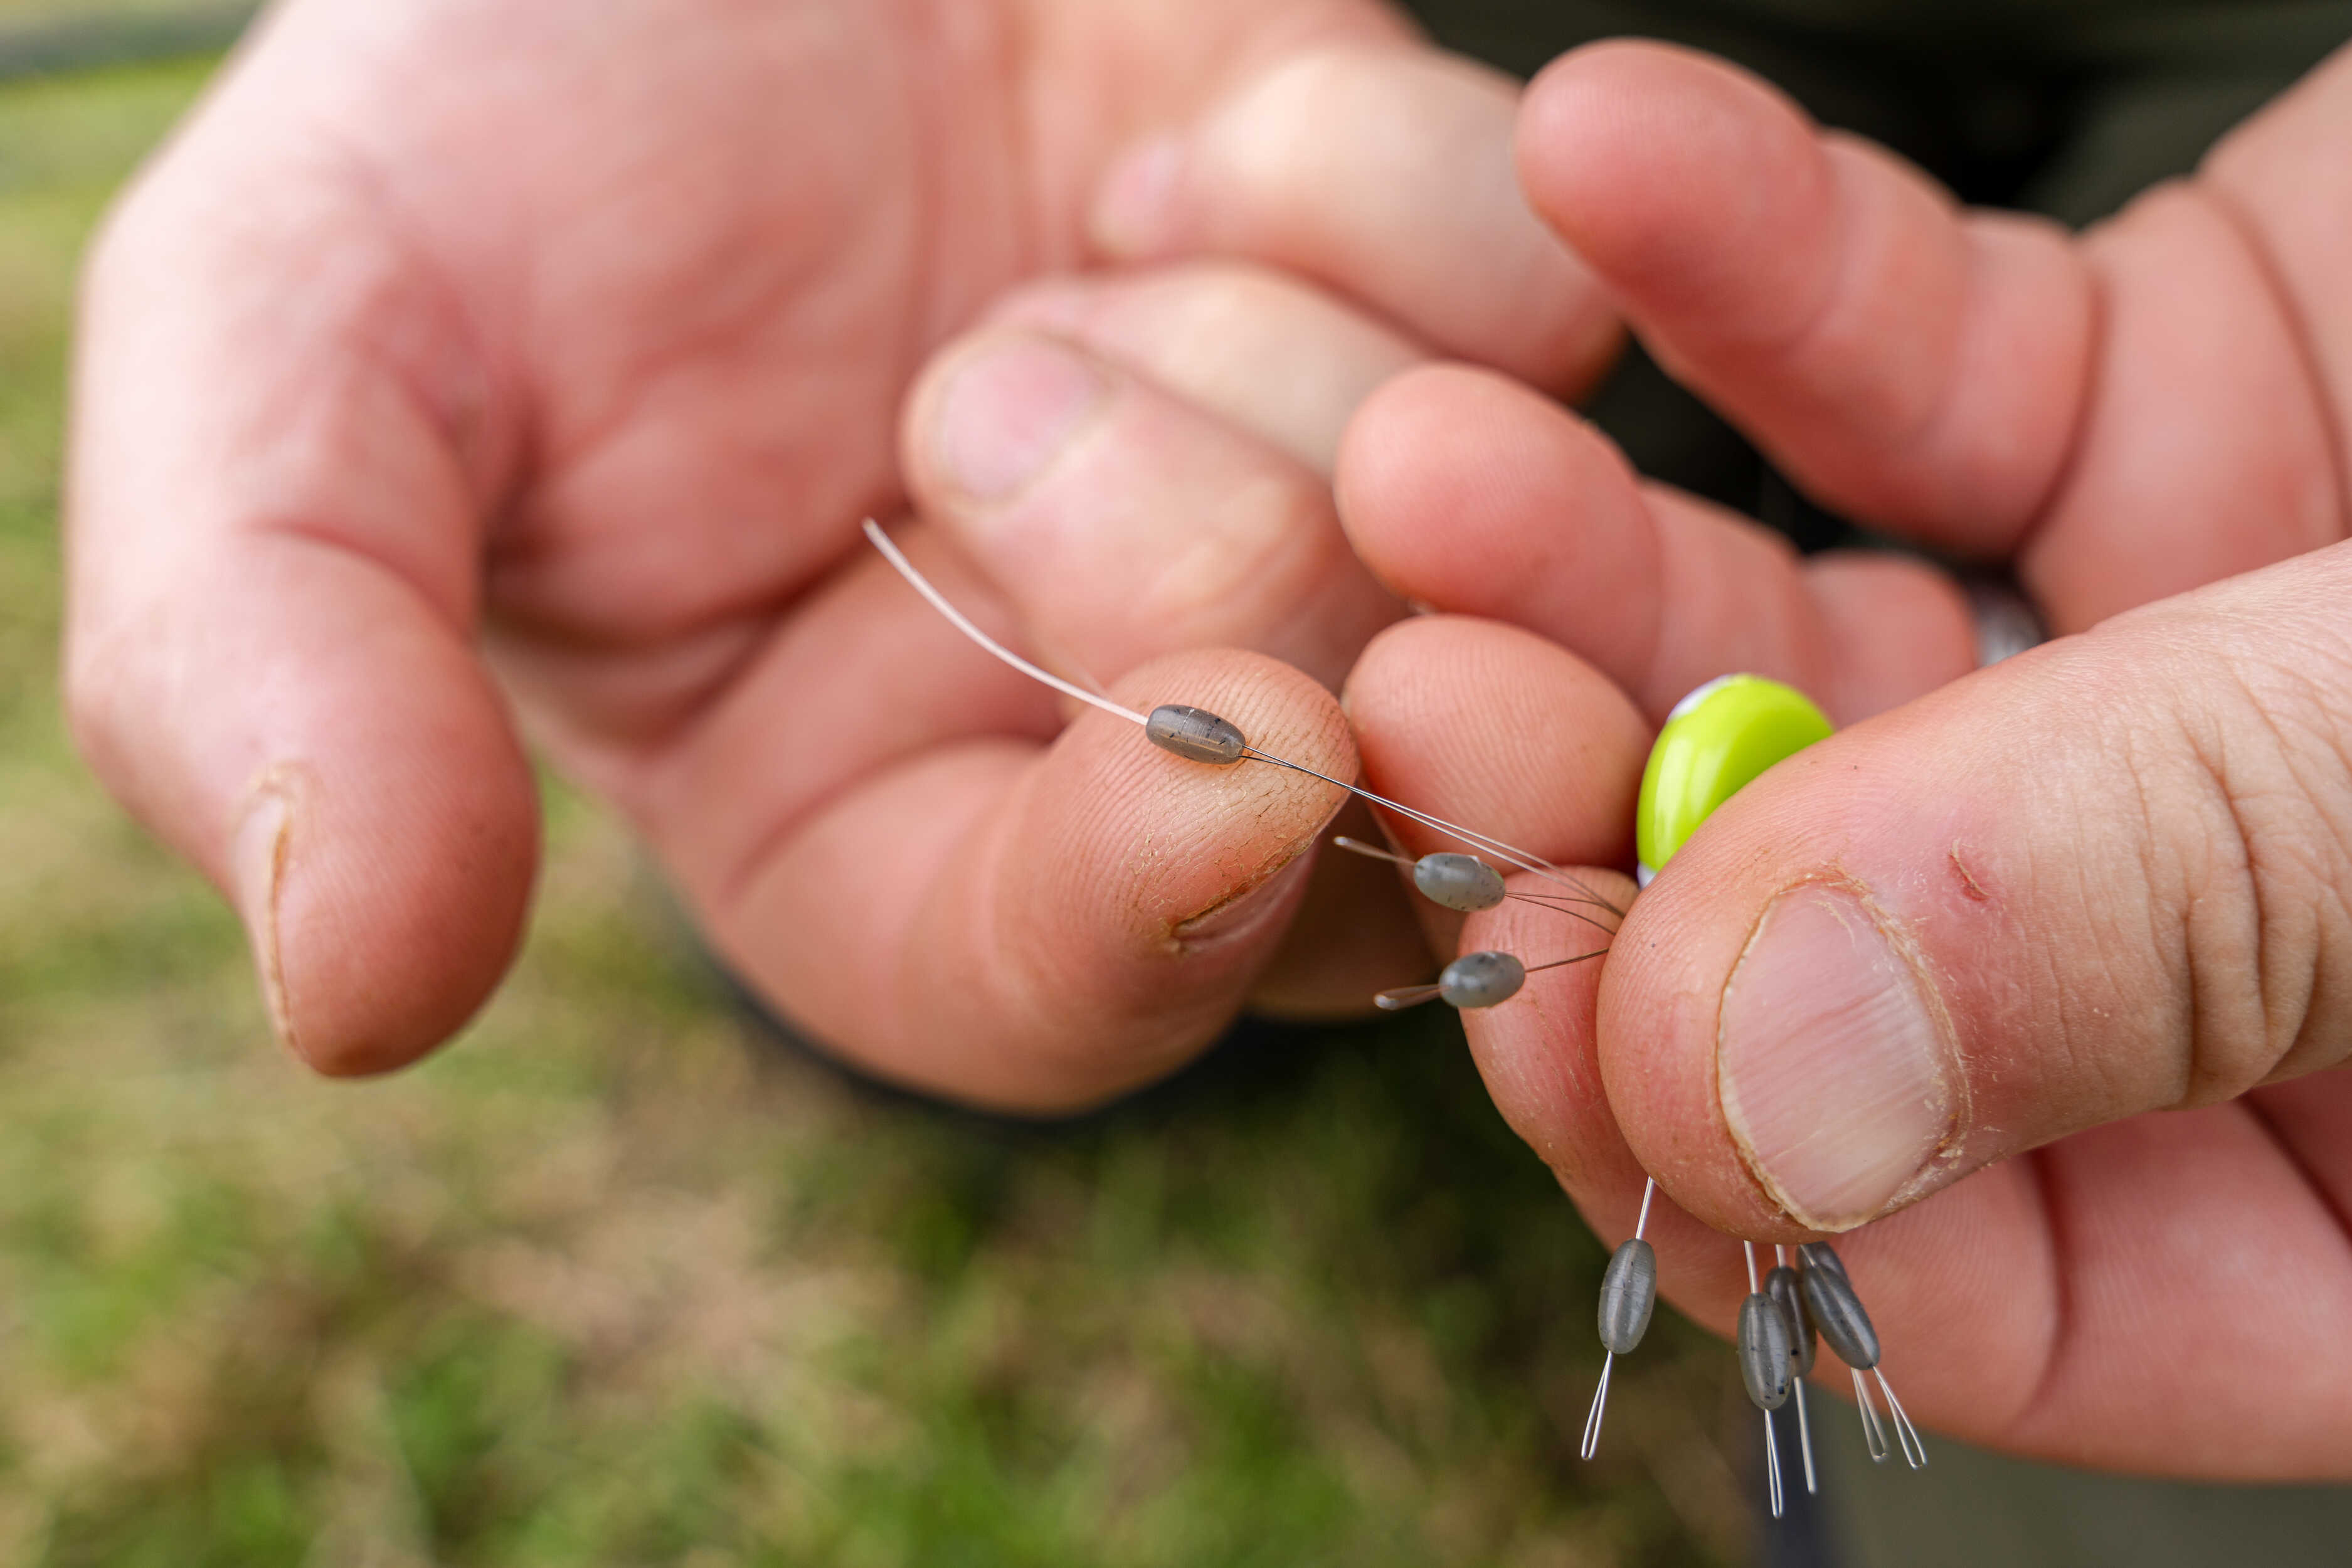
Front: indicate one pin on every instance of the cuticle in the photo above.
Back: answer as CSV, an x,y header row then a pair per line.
x,y
1951,1077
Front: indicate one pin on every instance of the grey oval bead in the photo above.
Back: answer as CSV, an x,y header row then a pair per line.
x,y
1837,1313
1482,979
1788,1295
1194,734
1764,1352
1461,882
1629,1294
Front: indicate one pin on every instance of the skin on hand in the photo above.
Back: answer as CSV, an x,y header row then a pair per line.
x,y
2000,925
423,395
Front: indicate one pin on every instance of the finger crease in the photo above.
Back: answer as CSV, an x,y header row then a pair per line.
x,y
2282,300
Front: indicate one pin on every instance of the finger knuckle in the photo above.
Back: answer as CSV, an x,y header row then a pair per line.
x,y
2266,919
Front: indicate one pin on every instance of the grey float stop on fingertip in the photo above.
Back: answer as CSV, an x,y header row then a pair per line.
x,y
1461,882
1194,734
1481,979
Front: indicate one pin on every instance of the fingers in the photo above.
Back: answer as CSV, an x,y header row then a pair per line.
x,y
1387,175
272,541
1124,517
1501,730
1019,925
1266,354
1183,504
2135,416
1908,363
2084,884
2207,449
2020,1308
1548,528
1517,739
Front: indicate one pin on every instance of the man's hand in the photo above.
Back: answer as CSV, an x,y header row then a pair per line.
x,y
478,353
1998,927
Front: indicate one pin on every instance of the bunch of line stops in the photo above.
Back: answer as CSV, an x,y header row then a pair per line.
x,y
1714,743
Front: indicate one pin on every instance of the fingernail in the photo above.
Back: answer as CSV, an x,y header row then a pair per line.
x,y
1246,911
258,854
1008,412
1135,209
1832,1064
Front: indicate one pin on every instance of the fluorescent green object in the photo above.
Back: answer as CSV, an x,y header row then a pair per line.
x,y
1714,742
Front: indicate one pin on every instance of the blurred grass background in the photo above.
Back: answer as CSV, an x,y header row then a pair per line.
x,y
611,1282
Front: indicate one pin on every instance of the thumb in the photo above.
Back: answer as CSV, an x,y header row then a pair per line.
x,y
274,546
2104,878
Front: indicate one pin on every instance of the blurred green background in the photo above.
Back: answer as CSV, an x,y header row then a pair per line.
x,y
615,1281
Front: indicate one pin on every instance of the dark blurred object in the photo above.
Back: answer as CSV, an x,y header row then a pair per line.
x,y
85,40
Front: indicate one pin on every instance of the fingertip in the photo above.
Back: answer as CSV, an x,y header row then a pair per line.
x,y
1546,528
1502,730
1281,710
336,761
1124,519
1536,1052
383,907
1130,898
1629,149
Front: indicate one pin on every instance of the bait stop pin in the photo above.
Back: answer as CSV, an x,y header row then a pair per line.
x,y
1715,741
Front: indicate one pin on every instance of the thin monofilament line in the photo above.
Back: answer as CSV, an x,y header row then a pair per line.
x,y
1564,962
1556,903
1495,847
1561,901
1563,907
956,619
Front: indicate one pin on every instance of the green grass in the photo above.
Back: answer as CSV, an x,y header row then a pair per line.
x,y
609,1283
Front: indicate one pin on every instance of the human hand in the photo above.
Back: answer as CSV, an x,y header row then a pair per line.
x,y
1998,929
467,353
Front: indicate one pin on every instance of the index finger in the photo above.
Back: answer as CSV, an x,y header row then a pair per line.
x,y
881,830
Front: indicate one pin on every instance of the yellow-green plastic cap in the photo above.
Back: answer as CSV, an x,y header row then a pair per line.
x,y
1714,742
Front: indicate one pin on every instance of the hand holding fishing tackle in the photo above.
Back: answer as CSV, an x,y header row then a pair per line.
x,y
1718,740
460,370
2036,965
572,428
